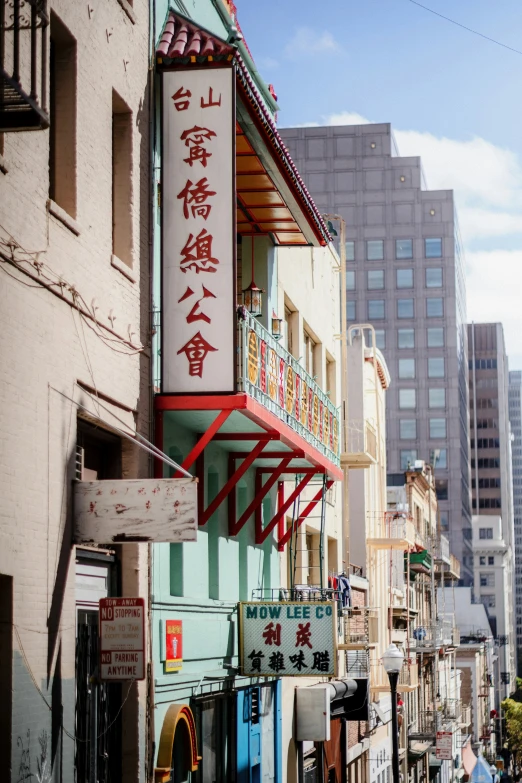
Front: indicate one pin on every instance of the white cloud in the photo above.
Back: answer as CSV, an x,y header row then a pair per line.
x,y
346,118
494,281
307,41
267,63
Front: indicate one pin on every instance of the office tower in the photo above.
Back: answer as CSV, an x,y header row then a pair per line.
x,y
491,473
405,276
515,416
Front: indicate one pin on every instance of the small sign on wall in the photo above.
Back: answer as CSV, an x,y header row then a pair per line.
x,y
122,638
444,747
173,645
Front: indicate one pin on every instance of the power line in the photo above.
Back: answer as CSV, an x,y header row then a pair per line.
x,y
475,32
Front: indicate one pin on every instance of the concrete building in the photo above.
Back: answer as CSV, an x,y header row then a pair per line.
x,y
493,580
405,276
476,660
74,314
515,420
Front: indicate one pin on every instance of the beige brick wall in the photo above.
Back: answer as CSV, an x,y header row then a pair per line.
x,y
45,347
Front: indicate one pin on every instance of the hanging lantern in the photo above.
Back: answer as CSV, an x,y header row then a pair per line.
x,y
253,295
277,326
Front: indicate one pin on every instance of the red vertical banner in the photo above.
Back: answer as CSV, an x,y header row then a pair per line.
x,y
321,420
173,645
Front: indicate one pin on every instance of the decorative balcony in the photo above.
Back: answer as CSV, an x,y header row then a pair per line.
x,y
269,374
362,445
392,530
420,562
23,67
465,717
361,629
452,710
440,549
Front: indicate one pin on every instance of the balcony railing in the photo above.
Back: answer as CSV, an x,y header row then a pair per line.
x,y
23,65
452,709
408,678
392,530
440,548
441,634
361,449
360,628
272,376
465,716
427,724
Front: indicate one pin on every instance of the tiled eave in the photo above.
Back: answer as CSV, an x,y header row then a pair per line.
x,y
183,44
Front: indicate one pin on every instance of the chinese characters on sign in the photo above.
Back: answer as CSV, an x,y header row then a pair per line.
x,y
288,639
444,747
173,645
198,315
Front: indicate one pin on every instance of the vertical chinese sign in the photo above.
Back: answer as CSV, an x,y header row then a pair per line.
x,y
198,233
288,639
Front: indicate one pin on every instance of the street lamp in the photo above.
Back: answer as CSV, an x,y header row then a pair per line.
x,y
392,661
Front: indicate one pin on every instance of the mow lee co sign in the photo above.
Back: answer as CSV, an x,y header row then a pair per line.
x,y
287,638
198,231
122,638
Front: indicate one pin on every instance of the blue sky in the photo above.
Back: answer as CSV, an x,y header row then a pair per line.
x,y
452,97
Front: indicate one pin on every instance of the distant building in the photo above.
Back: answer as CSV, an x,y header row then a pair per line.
x,y
404,276
493,569
515,419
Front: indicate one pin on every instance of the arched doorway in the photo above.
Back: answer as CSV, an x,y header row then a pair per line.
x,y
178,748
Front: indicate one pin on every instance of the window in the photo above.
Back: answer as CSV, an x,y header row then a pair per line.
x,y
436,367
482,560
375,279
404,278
434,277
407,428
350,310
437,398
491,560
434,308
62,130
433,248
375,309
121,180
444,519
485,532
406,368
310,354
375,250
436,337
380,339
408,457
440,458
488,600
441,488
403,249
406,338
350,279
407,398
437,428
404,308
350,251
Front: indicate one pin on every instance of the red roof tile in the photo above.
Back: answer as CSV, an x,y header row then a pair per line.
x,y
181,39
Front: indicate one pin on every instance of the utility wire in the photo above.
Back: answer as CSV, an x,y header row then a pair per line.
x,y
475,32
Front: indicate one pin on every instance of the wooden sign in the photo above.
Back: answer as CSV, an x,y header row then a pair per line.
x,y
149,510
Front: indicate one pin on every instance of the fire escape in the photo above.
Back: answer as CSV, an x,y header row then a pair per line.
x,y
23,61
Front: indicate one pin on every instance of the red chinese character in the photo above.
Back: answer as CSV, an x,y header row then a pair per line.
x,y
196,350
272,634
194,314
197,253
180,99
195,195
302,635
211,101
194,139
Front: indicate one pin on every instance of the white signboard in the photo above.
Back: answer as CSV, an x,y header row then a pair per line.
x,y
287,638
444,749
198,234
122,639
